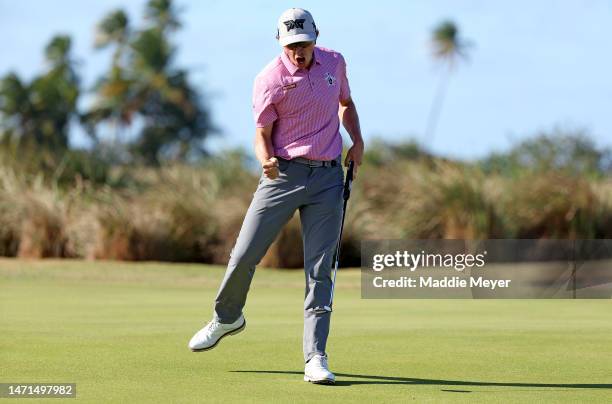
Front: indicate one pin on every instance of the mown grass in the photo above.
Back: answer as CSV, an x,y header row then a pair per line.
x,y
120,330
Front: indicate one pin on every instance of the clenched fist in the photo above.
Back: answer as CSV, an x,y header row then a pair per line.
x,y
270,168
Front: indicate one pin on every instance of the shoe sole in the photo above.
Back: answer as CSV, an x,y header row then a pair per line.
x,y
233,332
321,381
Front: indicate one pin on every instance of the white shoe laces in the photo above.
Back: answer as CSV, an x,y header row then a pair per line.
x,y
320,362
212,327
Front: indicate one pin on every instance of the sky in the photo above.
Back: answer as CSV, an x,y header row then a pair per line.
x,y
533,65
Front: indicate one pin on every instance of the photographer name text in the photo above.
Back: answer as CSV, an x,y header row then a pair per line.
x,y
445,282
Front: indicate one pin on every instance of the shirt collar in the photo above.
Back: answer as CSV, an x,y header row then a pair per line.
x,y
293,68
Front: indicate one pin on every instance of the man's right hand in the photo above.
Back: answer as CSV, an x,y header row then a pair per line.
x,y
270,168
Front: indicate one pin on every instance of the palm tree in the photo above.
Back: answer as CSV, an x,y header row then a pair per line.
x,y
38,114
163,14
448,48
16,112
113,30
175,119
113,102
56,92
143,84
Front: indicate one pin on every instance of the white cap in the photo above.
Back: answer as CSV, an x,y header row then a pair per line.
x,y
296,25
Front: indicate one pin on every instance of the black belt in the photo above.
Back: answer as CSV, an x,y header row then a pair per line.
x,y
315,163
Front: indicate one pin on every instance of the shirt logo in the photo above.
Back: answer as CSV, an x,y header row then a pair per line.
x,y
292,24
289,86
331,80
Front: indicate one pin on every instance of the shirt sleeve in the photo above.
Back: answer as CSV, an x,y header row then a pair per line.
x,y
264,112
345,90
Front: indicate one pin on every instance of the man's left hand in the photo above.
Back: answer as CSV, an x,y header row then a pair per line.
x,y
354,154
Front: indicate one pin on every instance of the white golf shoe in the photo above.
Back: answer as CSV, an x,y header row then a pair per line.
x,y
209,336
316,371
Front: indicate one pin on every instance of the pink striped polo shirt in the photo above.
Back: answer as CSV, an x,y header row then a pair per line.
x,y
303,104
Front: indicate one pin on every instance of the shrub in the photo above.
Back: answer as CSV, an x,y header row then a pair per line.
x,y
33,217
551,206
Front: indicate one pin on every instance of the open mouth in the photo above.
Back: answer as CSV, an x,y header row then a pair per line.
x,y
300,59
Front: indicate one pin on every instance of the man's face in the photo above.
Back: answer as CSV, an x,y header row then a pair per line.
x,y
300,53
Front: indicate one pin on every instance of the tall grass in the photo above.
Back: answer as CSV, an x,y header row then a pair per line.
x,y
553,206
194,213
33,217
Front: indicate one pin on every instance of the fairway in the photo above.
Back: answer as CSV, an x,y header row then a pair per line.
x,y
120,331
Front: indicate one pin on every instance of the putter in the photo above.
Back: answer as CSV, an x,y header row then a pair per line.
x,y
346,195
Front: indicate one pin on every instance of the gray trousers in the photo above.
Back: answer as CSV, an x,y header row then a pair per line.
x,y
317,193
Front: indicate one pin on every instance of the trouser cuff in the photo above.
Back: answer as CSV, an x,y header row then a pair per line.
x,y
312,354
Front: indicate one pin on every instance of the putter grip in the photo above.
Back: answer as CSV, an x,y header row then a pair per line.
x,y
349,180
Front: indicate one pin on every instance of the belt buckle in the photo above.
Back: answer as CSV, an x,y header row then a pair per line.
x,y
312,163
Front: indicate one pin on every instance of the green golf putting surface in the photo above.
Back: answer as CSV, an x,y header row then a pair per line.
x,y
120,332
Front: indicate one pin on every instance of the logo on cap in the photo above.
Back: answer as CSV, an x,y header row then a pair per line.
x,y
292,24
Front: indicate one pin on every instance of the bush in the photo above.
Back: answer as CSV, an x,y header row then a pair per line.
x,y
33,217
555,206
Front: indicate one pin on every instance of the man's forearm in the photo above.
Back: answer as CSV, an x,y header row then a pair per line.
x,y
264,148
350,121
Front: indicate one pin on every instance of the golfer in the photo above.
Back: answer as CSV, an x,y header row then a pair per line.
x,y
298,101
